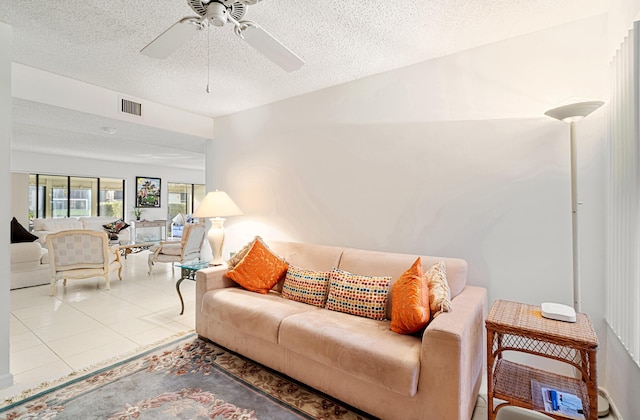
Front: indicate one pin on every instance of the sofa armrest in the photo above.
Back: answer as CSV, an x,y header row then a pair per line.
x,y
212,278
452,355
25,252
42,236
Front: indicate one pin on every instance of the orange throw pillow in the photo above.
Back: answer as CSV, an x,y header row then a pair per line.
x,y
259,270
410,301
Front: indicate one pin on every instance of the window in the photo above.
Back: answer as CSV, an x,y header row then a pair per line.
x,y
52,195
67,196
111,197
83,197
183,198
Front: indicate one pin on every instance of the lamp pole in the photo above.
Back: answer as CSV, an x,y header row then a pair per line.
x,y
570,114
574,220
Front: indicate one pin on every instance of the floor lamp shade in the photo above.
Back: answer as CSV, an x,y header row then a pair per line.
x,y
570,114
215,206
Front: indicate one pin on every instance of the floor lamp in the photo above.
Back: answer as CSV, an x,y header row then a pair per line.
x,y
570,114
215,206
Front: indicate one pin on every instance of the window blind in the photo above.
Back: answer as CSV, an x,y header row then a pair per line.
x,y
623,204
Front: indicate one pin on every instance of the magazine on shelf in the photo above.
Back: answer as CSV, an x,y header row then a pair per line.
x,y
558,402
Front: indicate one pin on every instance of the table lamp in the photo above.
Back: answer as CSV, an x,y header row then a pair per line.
x,y
215,206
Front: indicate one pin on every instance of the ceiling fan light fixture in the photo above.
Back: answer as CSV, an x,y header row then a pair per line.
x,y
217,13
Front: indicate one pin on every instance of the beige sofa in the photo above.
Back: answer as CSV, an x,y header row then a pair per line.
x,y
29,265
43,226
357,360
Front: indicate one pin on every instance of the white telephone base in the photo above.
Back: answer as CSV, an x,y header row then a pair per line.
x,y
558,311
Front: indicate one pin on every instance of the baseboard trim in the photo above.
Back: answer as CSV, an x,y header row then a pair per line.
x,y
6,380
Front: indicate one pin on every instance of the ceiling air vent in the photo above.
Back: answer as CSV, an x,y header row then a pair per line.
x,y
130,107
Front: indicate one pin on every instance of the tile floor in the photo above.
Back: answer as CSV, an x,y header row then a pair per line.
x,y
83,324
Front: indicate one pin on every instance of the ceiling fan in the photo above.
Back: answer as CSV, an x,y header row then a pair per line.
x,y
218,13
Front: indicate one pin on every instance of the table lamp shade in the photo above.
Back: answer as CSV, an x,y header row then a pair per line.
x,y
216,205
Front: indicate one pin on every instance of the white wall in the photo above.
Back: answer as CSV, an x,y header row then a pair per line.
x,y
60,165
450,157
20,197
6,378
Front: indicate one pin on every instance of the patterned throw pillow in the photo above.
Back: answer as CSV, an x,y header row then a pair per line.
x,y
410,301
306,286
358,295
116,227
259,270
439,291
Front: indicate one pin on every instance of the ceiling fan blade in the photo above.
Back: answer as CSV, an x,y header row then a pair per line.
x,y
173,38
271,48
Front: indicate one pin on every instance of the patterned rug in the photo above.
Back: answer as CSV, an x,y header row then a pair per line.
x,y
188,379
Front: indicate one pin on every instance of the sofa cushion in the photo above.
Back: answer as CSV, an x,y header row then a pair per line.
x,y
259,270
255,314
19,233
410,296
310,256
374,263
96,222
306,286
439,292
362,347
57,224
358,295
169,249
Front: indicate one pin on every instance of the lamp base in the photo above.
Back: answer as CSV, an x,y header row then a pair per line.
x,y
216,239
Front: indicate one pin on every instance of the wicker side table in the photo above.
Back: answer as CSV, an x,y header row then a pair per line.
x,y
513,326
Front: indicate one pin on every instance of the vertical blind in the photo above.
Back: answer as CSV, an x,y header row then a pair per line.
x,y
623,204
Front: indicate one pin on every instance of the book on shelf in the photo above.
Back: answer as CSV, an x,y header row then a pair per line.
x,y
557,401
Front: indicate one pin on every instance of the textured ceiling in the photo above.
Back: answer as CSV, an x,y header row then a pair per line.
x,y
98,42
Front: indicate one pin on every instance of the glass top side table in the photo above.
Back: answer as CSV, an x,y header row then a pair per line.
x,y
188,271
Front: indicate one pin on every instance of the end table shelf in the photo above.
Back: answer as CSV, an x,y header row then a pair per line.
x,y
513,326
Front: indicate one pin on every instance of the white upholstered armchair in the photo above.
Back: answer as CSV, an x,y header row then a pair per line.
x,y
81,254
188,249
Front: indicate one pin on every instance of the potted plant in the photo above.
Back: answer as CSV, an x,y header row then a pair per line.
x,y
137,212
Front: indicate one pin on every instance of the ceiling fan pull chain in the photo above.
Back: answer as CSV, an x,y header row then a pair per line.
x,y
208,59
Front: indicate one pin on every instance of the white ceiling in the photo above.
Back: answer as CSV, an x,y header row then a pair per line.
x,y
98,42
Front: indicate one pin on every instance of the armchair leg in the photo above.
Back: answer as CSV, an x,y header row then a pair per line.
x,y
52,289
106,278
150,263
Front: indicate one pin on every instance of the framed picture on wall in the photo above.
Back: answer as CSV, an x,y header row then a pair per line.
x,y
147,192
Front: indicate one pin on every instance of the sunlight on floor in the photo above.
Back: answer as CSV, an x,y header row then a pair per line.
x,y
83,324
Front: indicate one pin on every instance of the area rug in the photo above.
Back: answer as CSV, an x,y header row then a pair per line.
x,y
187,379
